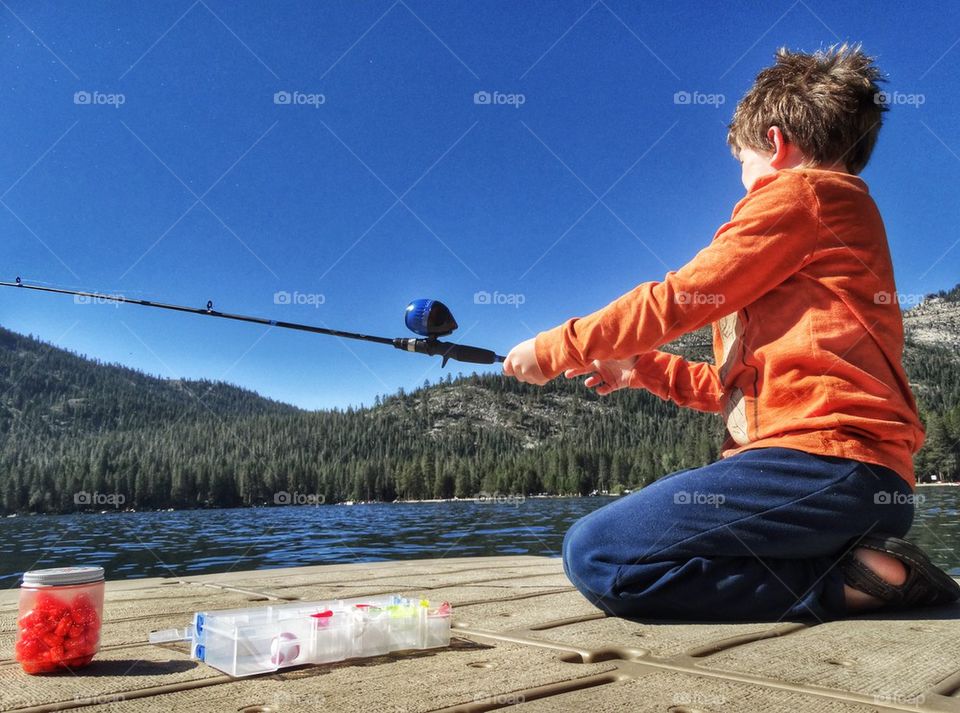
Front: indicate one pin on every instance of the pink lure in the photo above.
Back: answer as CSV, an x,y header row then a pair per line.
x,y
284,649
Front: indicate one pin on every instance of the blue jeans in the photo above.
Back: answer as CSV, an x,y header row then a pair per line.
x,y
756,536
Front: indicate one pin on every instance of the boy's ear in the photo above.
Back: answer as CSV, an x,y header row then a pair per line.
x,y
780,147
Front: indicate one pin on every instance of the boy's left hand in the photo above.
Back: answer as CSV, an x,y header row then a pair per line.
x,y
605,375
521,362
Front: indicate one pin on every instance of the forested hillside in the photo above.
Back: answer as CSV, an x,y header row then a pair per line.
x,y
73,426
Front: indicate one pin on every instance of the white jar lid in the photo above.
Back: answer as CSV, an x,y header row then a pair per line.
x,y
60,576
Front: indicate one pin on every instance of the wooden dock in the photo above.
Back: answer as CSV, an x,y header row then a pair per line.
x,y
524,639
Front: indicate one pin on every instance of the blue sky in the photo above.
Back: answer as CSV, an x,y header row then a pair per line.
x,y
145,153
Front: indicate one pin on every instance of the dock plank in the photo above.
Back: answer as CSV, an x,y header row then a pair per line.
x,y
663,691
115,672
414,683
662,640
891,657
523,639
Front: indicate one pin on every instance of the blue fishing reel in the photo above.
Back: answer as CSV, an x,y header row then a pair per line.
x,y
432,319
429,318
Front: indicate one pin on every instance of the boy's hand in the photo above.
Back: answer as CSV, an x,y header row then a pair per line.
x,y
521,363
606,376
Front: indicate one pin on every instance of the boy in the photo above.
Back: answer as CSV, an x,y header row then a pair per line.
x,y
802,515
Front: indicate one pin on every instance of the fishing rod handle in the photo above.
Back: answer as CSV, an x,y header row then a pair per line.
x,y
448,350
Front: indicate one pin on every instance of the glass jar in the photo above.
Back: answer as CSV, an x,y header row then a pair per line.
x,y
60,614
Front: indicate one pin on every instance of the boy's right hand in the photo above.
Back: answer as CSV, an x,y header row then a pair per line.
x,y
606,376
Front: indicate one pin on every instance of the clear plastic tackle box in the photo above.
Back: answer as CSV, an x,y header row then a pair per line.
x,y
242,642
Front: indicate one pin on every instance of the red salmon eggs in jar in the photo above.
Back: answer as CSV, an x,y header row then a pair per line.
x,y
60,614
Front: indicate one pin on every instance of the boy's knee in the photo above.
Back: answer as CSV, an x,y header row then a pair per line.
x,y
570,551
583,562
594,565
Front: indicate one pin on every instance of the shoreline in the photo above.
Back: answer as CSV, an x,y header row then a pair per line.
x,y
498,499
484,500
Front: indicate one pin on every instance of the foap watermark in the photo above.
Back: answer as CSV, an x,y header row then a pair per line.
x,y
499,98
99,499
698,698
895,98
699,298
500,498
499,699
284,98
314,299
684,98
104,699
911,299
884,497
682,497
897,698
284,497
85,98
288,699
97,300
514,299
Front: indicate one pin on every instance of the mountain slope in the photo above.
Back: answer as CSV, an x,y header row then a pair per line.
x,y
55,392
935,322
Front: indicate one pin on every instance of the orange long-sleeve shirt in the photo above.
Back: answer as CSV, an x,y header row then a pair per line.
x,y
807,331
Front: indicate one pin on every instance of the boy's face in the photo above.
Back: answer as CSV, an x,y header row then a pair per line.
x,y
753,165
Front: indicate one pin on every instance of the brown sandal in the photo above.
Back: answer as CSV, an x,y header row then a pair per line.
x,y
926,584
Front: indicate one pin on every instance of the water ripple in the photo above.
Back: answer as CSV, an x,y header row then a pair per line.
x,y
164,544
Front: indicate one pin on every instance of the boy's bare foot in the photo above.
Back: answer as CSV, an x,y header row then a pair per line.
x,y
888,568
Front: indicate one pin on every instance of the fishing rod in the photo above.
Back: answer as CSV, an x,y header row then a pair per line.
x,y
428,318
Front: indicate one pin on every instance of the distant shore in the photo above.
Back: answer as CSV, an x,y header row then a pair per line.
x,y
492,499
499,499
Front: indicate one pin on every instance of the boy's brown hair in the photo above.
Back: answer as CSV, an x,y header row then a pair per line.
x,y
827,103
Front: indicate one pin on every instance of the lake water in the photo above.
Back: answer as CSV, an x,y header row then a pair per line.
x,y
191,542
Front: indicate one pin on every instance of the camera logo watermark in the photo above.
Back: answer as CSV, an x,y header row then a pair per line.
x,y
97,300
299,99
500,499
911,299
683,98
886,498
889,99
699,298
514,299
897,698
84,98
499,699
99,499
698,698
284,497
283,700
314,299
498,98
104,699
682,497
